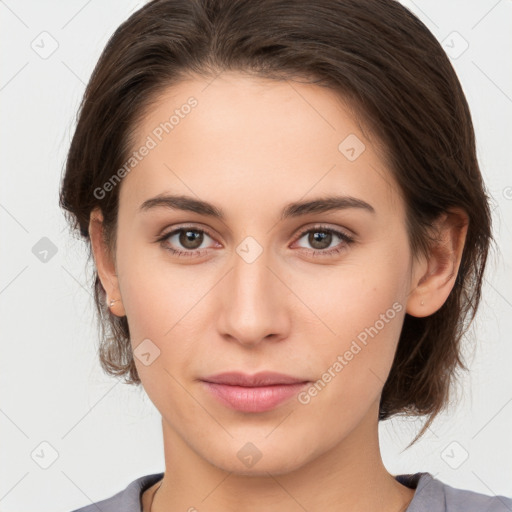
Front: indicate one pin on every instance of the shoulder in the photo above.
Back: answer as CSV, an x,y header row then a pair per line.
x,y
435,496
126,500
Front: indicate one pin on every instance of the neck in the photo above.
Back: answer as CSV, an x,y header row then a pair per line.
x,y
349,476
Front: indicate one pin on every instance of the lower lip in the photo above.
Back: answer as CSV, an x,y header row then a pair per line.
x,y
257,399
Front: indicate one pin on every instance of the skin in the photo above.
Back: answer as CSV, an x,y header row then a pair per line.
x,y
250,147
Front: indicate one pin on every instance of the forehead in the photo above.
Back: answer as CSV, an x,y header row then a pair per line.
x,y
246,142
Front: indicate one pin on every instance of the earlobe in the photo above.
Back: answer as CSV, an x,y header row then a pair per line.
x,y
104,263
434,275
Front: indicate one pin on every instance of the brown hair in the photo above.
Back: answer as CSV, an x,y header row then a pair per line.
x,y
383,61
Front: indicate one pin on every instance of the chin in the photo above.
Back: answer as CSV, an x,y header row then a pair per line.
x,y
259,458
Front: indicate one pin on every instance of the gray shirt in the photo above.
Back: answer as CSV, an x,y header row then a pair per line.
x,y
431,495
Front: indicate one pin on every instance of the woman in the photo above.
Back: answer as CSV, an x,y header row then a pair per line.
x,y
290,230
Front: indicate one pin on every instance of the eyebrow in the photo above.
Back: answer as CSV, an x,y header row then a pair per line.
x,y
291,210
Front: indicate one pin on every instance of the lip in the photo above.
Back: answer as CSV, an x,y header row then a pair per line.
x,y
258,379
253,393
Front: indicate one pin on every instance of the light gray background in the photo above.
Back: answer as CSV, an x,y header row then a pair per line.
x,y
104,434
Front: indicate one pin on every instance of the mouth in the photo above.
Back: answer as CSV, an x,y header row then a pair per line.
x,y
261,392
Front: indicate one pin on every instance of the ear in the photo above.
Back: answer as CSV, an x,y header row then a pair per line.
x,y
434,275
105,263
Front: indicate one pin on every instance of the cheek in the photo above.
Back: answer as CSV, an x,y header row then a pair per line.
x,y
358,358
352,369
360,312
155,293
344,301
167,309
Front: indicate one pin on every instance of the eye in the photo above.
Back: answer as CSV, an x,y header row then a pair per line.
x,y
321,237
189,238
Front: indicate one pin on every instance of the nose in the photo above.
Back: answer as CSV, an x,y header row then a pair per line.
x,y
254,301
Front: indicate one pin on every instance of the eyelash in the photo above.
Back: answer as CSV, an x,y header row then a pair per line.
x,y
315,252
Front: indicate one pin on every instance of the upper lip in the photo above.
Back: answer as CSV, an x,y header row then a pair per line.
x,y
258,379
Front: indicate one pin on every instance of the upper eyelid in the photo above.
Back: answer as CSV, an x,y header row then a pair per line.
x,y
183,228
319,227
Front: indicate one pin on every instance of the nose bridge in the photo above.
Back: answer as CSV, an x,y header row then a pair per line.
x,y
253,303
251,277
251,274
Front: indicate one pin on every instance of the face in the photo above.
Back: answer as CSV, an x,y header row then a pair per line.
x,y
316,292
